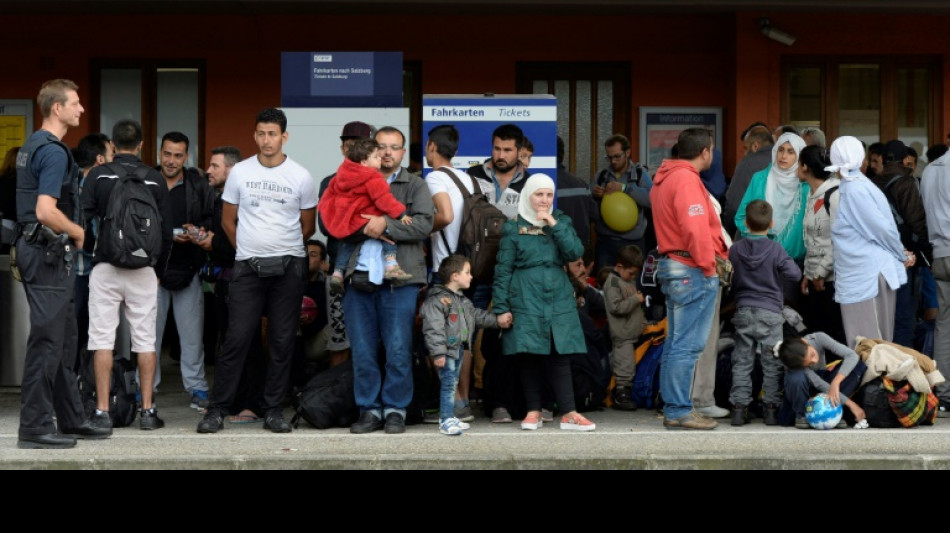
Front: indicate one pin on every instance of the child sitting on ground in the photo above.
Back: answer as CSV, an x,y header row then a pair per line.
x,y
359,189
807,375
625,315
449,321
760,268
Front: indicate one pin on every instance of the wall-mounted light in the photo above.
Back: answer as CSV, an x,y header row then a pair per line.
x,y
776,34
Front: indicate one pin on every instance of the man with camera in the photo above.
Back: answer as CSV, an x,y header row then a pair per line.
x,y
190,207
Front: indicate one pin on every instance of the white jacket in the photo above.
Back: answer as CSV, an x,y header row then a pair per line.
x,y
819,257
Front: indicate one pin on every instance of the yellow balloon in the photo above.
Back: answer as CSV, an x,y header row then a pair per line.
x,y
619,212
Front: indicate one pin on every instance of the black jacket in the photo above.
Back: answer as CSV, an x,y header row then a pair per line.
x,y
333,244
199,202
903,193
574,198
199,196
222,253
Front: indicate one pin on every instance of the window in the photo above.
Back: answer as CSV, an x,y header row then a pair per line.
x,y
913,112
859,101
804,94
592,104
162,96
871,100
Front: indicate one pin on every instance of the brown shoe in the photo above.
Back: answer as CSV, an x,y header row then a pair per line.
x,y
692,421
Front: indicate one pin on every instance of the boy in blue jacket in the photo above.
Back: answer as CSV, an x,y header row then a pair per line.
x,y
760,268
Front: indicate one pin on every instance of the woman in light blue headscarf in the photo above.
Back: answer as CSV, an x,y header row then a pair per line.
x,y
870,261
780,187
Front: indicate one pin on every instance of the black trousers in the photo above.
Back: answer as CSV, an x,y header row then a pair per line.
x,y
250,394
251,298
49,378
501,378
823,313
81,307
555,369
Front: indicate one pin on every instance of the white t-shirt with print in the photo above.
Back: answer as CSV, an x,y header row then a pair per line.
x,y
269,203
440,182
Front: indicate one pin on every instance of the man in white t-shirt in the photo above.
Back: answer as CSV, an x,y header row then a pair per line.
x,y
269,211
442,146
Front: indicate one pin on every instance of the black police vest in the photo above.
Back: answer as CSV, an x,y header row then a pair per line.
x,y
28,185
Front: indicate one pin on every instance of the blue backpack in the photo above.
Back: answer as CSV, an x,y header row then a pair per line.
x,y
646,384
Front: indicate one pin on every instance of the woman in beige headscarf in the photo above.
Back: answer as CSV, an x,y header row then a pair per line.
x,y
533,294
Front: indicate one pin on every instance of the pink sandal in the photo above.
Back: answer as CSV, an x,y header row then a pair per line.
x,y
577,422
532,422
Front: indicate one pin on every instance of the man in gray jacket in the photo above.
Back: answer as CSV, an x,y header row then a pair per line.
x,y
935,189
378,310
621,175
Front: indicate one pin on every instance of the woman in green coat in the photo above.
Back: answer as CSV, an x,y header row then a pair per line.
x,y
533,294
780,187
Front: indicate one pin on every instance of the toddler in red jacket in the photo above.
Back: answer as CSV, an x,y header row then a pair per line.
x,y
359,189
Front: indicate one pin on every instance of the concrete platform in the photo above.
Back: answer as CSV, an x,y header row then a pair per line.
x,y
622,441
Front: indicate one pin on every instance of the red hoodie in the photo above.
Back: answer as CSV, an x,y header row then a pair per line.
x,y
684,217
356,190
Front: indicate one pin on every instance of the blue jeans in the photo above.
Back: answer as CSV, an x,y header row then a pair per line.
x,y
387,315
449,375
690,304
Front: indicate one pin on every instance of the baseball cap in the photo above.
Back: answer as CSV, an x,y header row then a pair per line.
x,y
895,151
356,130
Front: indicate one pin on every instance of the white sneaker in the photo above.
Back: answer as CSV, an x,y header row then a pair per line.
x,y
451,427
465,426
714,412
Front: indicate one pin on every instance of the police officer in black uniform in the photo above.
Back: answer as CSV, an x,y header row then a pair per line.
x,y
47,212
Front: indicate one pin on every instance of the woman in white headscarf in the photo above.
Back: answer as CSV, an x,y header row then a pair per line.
x,y
870,261
533,294
780,187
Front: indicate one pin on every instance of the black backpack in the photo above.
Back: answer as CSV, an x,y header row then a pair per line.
x,y
123,405
828,195
480,231
328,400
873,399
130,235
649,285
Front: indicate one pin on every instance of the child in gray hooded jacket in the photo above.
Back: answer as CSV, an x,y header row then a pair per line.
x,y
761,268
449,321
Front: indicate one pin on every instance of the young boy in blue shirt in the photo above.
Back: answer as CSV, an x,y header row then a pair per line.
x,y
761,267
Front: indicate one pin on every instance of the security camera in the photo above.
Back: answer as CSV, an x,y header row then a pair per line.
x,y
776,34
